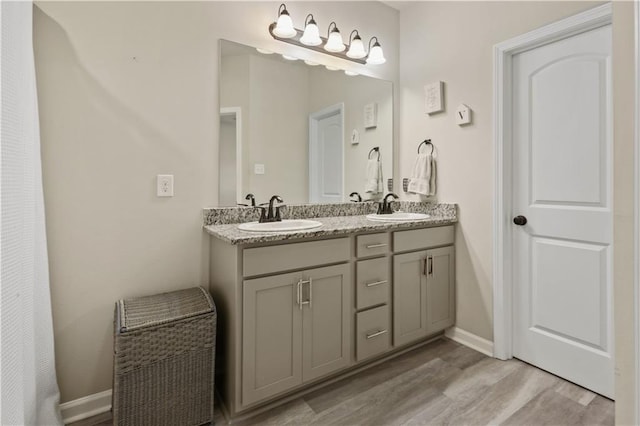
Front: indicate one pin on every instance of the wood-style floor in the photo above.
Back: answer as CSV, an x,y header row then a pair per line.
x,y
442,383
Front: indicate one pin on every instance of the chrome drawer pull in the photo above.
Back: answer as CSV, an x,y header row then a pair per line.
x,y
375,283
371,246
376,334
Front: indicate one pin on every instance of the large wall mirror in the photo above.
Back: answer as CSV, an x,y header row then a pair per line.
x,y
301,131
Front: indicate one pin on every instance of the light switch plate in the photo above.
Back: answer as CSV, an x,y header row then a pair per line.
x,y
371,115
463,115
258,169
433,100
355,137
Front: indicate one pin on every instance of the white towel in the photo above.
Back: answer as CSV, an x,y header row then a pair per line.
x,y
423,180
374,183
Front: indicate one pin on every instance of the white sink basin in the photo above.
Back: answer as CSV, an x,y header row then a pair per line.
x,y
398,217
284,225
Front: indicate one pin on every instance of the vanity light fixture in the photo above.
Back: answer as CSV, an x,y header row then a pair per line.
x,y
356,47
376,56
311,35
334,42
283,30
284,25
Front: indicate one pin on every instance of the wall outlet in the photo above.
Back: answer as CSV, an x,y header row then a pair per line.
x,y
164,185
258,169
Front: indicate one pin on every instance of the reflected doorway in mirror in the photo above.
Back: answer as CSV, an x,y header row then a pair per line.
x,y
230,161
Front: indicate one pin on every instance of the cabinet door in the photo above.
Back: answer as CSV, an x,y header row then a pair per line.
x,y
272,336
409,297
326,320
440,288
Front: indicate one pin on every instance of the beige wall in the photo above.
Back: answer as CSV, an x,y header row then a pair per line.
x,y
452,42
127,91
623,194
281,148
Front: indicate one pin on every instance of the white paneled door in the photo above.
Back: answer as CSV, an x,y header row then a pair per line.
x,y
326,155
562,208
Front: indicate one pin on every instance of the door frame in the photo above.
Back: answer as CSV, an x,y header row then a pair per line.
x,y
314,117
636,221
503,174
237,111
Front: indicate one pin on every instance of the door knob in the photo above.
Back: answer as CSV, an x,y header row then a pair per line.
x,y
520,220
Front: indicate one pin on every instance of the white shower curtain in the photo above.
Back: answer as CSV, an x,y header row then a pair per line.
x,y
29,392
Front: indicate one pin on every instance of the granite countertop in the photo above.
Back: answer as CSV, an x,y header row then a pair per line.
x,y
331,226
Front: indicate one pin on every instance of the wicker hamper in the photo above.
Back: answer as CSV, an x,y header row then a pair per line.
x,y
163,362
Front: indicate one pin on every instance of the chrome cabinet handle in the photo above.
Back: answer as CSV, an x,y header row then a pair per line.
x,y
375,283
430,259
371,246
300,283
299,294
376,334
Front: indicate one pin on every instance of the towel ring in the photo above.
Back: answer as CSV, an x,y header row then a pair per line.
x,y
426,142
374,149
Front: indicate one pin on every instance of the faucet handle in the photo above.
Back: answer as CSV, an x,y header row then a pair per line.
x,y
251,197
359,200
277,214
263,212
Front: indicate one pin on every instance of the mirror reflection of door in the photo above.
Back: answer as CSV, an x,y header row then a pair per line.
x,y
326,155
230,161
277,96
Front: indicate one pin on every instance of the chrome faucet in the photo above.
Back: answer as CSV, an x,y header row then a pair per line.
x,y
384,207
359,200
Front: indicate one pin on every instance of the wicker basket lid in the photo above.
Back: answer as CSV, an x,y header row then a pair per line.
x,y
147,311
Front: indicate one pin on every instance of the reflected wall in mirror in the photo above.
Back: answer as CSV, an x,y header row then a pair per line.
x,y
299,131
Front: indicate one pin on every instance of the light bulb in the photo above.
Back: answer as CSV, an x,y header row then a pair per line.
x,y
351,73
356,48
264,51
284,26
331,68
311,63
334,43
311,35
376,56
289,57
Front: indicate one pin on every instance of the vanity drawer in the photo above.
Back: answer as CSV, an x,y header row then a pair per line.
x,y
372,244
417,239
373,333
283,257
372,282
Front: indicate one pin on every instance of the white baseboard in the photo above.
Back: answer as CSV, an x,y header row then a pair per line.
x,y
470,340
85,407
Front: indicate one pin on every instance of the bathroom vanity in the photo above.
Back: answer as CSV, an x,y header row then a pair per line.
x,y
300,308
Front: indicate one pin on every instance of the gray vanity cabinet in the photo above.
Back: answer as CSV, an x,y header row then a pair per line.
x,y
409,297
296,328
423,284
440,289
292,313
